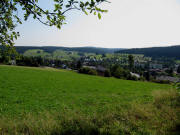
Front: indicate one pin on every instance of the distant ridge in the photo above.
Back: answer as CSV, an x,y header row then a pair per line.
x,y
50,49
170,51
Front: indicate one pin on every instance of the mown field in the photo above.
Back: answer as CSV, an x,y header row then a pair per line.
x,y
50,101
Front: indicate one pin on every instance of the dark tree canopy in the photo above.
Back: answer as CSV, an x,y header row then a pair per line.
x,y
131,61
10,19
178,70
155,52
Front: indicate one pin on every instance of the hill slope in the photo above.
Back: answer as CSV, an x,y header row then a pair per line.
x,y
44,89
50,101
170,52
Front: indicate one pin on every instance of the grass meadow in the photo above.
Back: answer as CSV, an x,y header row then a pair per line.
x,y
39,101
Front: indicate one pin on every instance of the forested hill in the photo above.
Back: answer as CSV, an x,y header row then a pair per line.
x,y
170,52
50,49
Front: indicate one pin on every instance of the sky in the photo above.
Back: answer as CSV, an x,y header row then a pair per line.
x,y
128,24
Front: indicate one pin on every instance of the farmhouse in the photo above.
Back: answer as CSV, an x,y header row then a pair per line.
x,y
134,74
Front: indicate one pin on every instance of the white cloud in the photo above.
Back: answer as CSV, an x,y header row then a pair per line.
x,y
128,24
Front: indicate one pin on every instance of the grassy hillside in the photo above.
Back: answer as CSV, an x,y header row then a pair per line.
x,y
50,101
33,89
51,49
37,53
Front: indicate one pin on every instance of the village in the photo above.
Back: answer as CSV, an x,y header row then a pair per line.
x,y
150,69
119,65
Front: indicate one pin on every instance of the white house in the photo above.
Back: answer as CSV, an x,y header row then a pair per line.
x,y
134,74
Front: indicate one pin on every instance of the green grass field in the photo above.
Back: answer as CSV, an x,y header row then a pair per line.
x,y
35,95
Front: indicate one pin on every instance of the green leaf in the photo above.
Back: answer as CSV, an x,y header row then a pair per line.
x,y
85,12
99,16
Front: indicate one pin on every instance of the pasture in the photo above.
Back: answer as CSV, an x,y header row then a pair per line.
x,y
52,101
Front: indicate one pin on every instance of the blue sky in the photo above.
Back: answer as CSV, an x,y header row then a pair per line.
x,y
128,24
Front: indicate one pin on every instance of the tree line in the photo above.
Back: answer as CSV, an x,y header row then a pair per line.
x,y
155,52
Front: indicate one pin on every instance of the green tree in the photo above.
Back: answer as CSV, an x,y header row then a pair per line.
x,y
147,75
8,53
107,73
178,70
79,64
10,19
170,71
119,73
86,70
113,69
131,62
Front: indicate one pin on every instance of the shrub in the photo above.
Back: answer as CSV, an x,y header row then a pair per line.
x,y
92,72
133,78
178,86
86,70
142,78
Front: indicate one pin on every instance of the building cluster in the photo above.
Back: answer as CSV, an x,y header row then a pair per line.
x,y
160,72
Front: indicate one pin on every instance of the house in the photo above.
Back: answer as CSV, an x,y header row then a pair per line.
x,y
91,67
64,66
168,78
12,62
134,74
176,66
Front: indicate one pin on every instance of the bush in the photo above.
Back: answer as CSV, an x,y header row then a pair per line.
x,y
92,72
142,78
86,70
134,78
178,86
